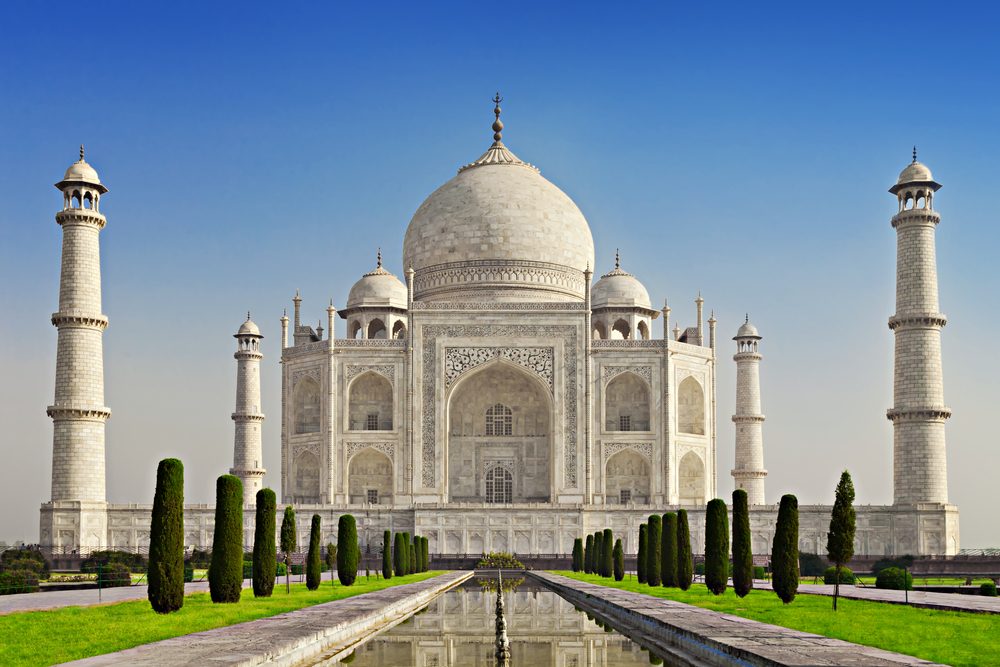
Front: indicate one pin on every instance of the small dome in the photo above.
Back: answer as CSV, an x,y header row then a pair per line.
x,y
619,289
249,328
378,288
81,172
747,330
915,171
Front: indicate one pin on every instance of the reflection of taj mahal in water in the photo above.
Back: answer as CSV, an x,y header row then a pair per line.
x,y
499,397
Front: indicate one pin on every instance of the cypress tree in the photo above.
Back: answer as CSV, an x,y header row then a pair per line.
x,y
418,543
619,558
685,566
607,557
840,539
288,543
331,558
640,560
742,553
588,555
166,539
413,556
225,575
407,555
654,534
577,555
668,550
397,555
348,552
264,553
598,545
314,564
716,546
785,550
427,554
387,555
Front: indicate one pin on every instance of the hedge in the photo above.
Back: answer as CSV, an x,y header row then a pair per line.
x,y
716,546
668,550
347,550
225,575
640,560
264,552
607,555
578,555
742,547
653,555
134,562
988,588
619,560
18,581
894,578
685,563
499,560
830,575
387,554
115,575
588,555
397,554
166,539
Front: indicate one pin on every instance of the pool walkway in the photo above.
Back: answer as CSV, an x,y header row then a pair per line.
x,y
89,597
944,601
715,638
288,639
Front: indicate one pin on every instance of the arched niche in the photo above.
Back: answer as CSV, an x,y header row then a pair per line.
x,y
626,477
600,331
525,450
370,403
399,330
620,330
376,329
369,478
354,329
305,476
691,480
643,330
306,406
691,407
626,403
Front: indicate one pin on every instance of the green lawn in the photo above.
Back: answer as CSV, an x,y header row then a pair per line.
x,y
71,633
951,637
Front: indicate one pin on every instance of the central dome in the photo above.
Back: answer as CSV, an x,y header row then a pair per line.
x,y
498,231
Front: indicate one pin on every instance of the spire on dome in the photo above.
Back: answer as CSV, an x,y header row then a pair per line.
x,y
81,152
378,257
618,259
914,153
497,124
617,271
378,270
497,153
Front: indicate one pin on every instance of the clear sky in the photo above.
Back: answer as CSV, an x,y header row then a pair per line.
x,y
741,150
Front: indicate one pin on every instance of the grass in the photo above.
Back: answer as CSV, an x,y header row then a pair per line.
x,y
71,633
951,637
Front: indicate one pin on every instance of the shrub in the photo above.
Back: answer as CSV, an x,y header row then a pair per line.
x,y
499,560
397,555
653,556
578,555
166,539
785,550
134,562
811,565
988,588
288,541
699,568
387,554
618,555
264,552
668,550
894,578
348,553
640,558
588,555
314,560
200,558
685,564
742,554
18,581
225,576
830,575
280,570
716,546
758,572
331,557
900,562
28,559
115,575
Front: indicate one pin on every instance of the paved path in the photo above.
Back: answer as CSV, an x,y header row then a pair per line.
x,y
290,638
88,597
715,638
946,601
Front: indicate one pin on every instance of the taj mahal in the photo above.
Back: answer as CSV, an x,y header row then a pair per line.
x,y
507,391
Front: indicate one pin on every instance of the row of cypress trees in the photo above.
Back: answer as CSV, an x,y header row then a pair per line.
x,y
601,554
664,557
406,555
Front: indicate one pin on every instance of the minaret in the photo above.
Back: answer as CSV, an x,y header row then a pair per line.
x,y
78,412
918,413
749,471
247,450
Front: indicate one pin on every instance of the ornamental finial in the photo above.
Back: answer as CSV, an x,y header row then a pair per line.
x,y
618,259
914,154
747,320
379,258
81,152
497,125
248,316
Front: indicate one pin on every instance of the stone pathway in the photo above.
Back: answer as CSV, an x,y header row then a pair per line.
x,y
946,601
287,639
88,597
719,639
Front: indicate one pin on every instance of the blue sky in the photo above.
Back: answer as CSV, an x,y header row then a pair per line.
x,y
741,150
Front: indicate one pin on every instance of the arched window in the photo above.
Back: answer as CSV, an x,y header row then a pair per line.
x,y
499,420
643,331
370,403
399,330
376,329
499,485
305,399
620,331
88,201
691,479
626,404
76,199
600,333
691,407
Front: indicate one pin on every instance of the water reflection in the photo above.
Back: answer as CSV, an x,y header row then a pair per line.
x,y
458,629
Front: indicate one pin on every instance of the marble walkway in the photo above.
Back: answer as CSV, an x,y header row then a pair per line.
x,y
287,639
944,601
718,639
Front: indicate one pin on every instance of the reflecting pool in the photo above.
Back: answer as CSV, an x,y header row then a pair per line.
x,y
457,630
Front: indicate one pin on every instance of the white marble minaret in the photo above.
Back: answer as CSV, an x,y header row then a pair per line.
x,y
749,471
247,451
918,413
78,412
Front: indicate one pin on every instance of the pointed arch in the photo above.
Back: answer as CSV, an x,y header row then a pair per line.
x,y
691,480
306,406
600,331
626,477
305,476
370,477
643,330
620,330
691,407
370,403
376,329
626,403
399,330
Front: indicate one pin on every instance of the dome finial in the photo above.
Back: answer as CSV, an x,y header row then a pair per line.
x,y
618,259
497,125
81,152
914,153
248,316
379,258
747,320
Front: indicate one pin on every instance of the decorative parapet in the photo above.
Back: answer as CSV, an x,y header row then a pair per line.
x,y
514,306
917,320
78,412
79,318
931,413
